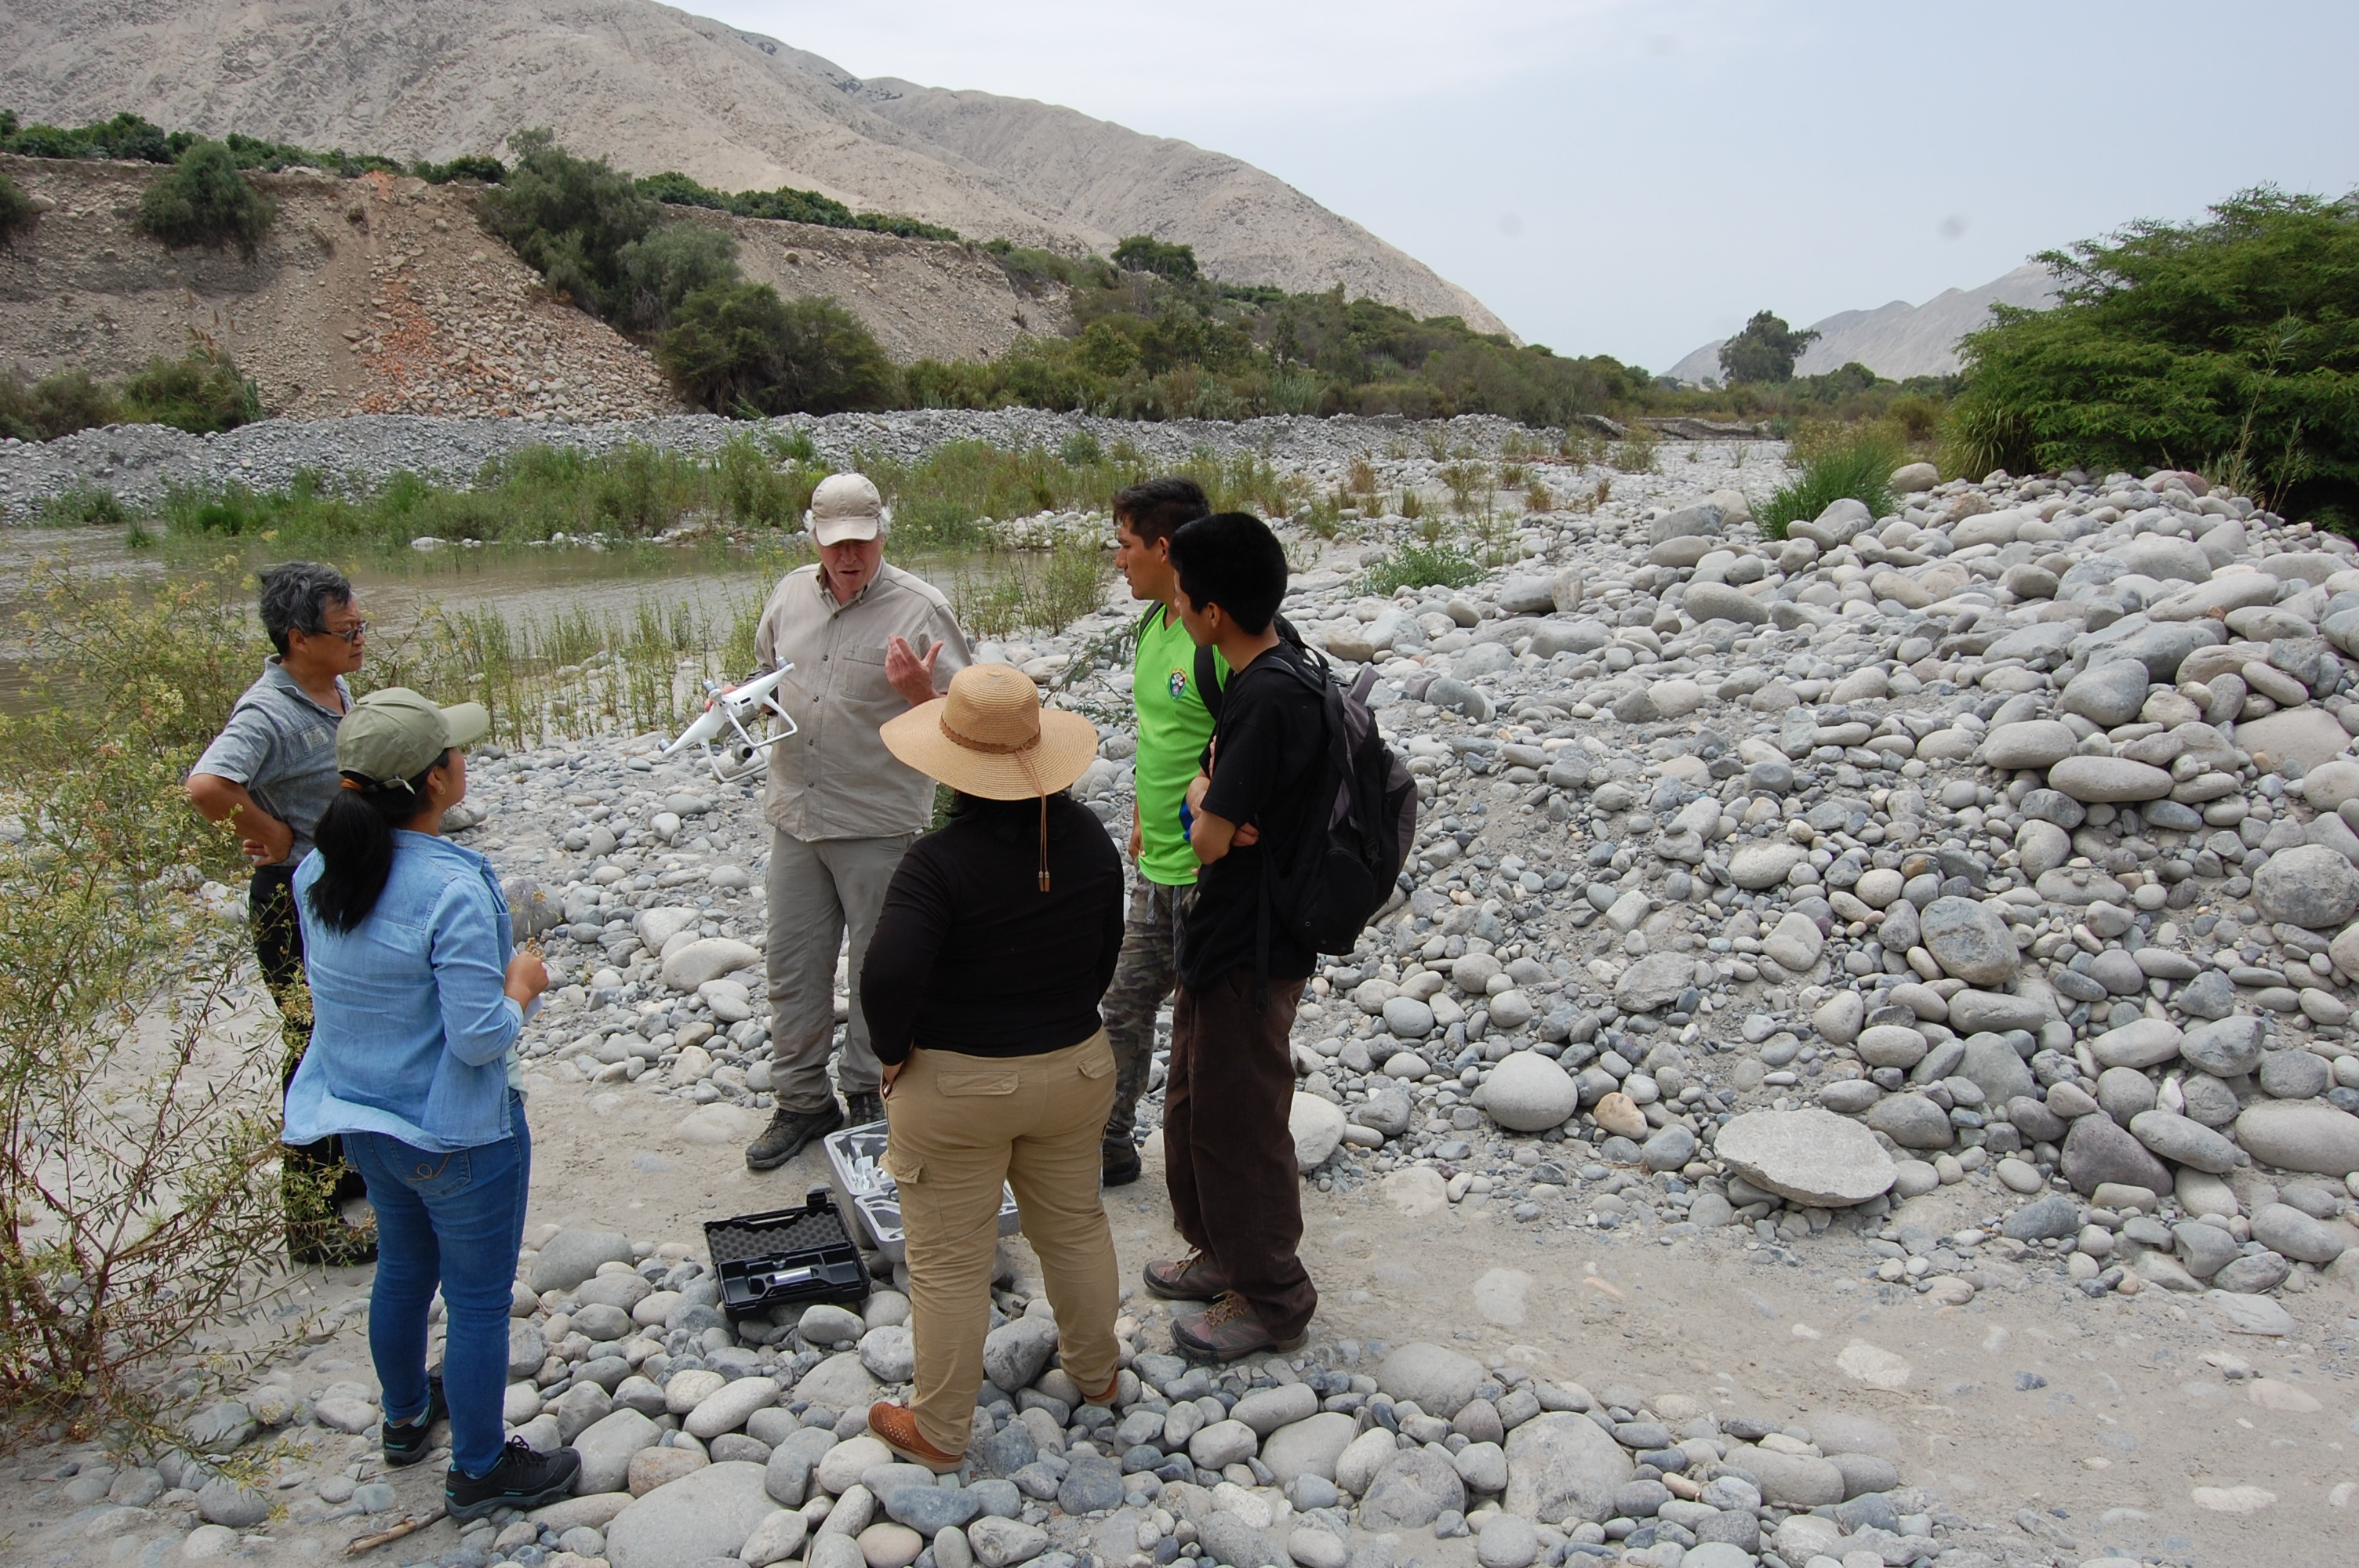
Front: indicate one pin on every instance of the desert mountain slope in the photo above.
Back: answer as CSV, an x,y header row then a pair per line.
x,y
1103,178
1900,339
654,88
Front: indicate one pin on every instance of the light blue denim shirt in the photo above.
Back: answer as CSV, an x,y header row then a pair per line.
x,y
411,1022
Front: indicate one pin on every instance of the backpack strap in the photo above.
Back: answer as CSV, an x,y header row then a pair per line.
x,y
1208,681
1208,675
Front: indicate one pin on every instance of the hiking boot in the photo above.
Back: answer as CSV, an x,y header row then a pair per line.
x,y
896,1428
788,1133
1118,1164
1229,1330
522,1480
405,1442
1195,1278
860,1109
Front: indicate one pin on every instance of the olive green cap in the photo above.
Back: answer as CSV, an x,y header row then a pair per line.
x,y
392,735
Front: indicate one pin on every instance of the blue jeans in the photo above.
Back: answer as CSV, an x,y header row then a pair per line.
x,y
457,1220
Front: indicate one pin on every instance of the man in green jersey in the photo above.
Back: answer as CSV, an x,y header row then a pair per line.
x,y
1173,726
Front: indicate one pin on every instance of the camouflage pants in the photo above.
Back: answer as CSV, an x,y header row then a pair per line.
x,y
1144,976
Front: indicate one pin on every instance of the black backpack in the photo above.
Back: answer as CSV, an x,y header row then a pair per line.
x,y
1347,863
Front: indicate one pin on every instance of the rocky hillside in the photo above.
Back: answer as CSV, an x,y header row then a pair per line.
x,y
1899,340
384,296
651,87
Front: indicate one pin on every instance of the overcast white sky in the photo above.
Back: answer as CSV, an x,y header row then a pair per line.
x,y
1637,177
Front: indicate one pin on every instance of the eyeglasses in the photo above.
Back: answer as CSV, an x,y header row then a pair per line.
x,y
349,635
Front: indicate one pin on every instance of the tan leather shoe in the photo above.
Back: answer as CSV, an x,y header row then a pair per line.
x,y
896,1428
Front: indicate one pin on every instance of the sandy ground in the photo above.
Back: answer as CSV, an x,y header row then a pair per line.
x,y
2130,1405
2048,1425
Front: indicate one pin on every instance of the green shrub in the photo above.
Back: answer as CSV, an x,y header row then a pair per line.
x,y
1765,350
754,490
126,137
57,404
2226,344
659,271
477,166
739,349
570,218
17,214
83,508
1857,464
787,204
199,392
1422,566
206,200
1144,253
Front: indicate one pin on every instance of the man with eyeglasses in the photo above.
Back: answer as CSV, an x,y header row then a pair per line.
x,y
269,774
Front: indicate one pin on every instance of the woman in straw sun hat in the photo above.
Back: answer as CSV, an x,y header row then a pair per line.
x,y
998,937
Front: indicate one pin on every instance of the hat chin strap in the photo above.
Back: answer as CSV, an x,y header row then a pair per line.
x,y
1022,751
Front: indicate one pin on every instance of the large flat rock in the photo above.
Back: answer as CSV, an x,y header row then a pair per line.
x,y
1811,1156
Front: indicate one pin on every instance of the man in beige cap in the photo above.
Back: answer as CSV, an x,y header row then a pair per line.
x,y
867,642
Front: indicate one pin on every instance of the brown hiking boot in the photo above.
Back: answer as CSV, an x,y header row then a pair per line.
x,y
1194,1278
1230,1329
896,1428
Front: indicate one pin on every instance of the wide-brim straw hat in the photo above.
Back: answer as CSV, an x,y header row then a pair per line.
x,y
989,736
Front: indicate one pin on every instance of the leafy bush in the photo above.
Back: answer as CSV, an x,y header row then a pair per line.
x,y
55,405
1422,566
1765,350
199,392
738,348
1031,271
1856,463
17,214
788,205
658,273
206,200
136,1134
1144,253
126,137
570,218
1034,594
2227,344
476,166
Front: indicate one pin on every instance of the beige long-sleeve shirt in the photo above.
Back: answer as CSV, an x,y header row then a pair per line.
x,y
835,779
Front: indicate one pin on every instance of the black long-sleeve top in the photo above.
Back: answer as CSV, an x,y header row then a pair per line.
x,y
969,954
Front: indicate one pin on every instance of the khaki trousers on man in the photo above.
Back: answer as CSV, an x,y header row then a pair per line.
x,y
815,889
962,1125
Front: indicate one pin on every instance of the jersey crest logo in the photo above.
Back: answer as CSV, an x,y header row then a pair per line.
x,y
1179,685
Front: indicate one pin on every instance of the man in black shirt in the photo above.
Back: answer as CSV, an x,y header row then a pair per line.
x,y
1229,1157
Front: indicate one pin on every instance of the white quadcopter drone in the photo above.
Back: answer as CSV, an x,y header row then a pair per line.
x,y
729,708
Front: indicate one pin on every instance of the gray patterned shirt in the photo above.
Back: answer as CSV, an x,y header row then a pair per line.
x,y
281,745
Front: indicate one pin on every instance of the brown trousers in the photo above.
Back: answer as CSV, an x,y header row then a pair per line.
x,y
1228,1156
959,1126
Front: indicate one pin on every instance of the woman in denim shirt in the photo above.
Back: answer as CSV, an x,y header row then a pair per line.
x,y
417,1001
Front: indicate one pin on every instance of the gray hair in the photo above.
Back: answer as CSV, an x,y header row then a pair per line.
x,y
297,597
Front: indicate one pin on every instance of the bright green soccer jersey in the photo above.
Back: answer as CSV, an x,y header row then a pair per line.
x,y
1173,726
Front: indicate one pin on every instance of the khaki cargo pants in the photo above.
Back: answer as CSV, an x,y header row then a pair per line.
x,y
959,1126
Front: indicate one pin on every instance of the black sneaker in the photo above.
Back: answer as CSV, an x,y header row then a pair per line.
x,y
522,1480
788,1133
406,1442
862,1110
1118,1164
